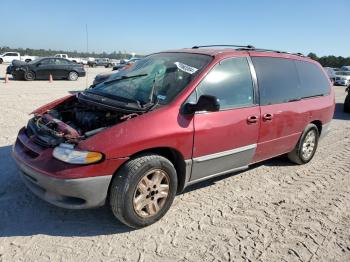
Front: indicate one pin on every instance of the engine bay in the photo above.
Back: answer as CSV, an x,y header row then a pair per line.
x,y
72,121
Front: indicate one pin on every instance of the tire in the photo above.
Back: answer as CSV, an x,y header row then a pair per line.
x,y
29,76
73,76
126,189
306,147
1,61
347,104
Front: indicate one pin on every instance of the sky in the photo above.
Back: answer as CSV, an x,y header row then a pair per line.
x,y
144,27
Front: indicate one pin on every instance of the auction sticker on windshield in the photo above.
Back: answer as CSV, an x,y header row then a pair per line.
x,y
186,68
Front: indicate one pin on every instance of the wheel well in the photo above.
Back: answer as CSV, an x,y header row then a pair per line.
x,y
318,124
174,156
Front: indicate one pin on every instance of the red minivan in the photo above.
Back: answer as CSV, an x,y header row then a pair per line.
x,y
173,119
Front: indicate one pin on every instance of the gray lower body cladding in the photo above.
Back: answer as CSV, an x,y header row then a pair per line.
x,y
77,193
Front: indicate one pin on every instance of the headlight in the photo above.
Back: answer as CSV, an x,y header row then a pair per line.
x,y
67,153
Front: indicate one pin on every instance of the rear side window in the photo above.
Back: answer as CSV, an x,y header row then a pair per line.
x,y
277,78
312,80
231,82
284,80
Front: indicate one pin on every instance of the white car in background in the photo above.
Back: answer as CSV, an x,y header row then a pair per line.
x,y
342,78
73,59
8,57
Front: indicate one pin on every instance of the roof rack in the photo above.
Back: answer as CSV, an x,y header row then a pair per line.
x,y
250,48
238,46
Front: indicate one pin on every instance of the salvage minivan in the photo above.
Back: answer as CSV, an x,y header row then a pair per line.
x,y
173,119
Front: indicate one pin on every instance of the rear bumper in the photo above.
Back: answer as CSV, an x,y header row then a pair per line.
x,y
81,74
78,193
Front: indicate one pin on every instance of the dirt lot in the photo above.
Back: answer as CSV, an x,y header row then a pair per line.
x,y
276,211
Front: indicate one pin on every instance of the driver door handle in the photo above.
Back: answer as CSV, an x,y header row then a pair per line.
x,y
252,119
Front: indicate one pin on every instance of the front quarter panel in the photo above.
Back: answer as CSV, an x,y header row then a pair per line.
x,y
164,127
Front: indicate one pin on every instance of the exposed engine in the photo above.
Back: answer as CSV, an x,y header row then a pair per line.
x,y
71,122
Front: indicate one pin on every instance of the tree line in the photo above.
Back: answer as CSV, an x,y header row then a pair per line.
x,y
331,60
50,52
326,61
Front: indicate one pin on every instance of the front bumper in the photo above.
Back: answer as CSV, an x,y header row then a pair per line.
x,y
9,70
67,193
64,185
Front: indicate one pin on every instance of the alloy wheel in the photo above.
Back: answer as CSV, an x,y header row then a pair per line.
x,y
151,193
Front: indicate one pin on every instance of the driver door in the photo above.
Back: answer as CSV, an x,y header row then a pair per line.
x,y
225,140
44,68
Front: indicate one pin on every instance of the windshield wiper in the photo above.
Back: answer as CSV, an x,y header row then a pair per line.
x,y
124,77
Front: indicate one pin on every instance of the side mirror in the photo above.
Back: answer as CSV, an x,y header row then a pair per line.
x,y
204,103
38,64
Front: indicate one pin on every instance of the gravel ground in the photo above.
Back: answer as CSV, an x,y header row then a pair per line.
x,y
276,211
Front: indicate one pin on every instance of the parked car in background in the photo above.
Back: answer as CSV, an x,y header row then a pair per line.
x,y
8,57
141,138
331,74
104,76
42,68
106,62
73,59
342,78
124,63
345,68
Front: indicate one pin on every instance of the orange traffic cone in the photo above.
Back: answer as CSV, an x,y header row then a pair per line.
x,y
6,78
50,78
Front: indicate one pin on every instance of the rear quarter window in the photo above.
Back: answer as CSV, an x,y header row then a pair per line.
x,y
313,81
283,80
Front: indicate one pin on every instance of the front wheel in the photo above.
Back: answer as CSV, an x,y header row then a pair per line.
x,y
29,76
73,76
306,147
143,190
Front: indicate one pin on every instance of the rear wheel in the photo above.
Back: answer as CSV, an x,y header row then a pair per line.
x,y
1,61
306,147
143,190
29,76
73,76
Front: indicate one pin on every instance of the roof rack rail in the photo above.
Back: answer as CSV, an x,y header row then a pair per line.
x,y
270,50
239,46
249,48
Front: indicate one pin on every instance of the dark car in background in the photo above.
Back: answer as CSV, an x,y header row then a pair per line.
x,y
42,68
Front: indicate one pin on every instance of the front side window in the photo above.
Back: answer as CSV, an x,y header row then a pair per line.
x,y
159,77
230,81
61,62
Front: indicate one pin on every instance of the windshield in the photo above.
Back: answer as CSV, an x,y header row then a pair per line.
x,y
342,73
160,77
